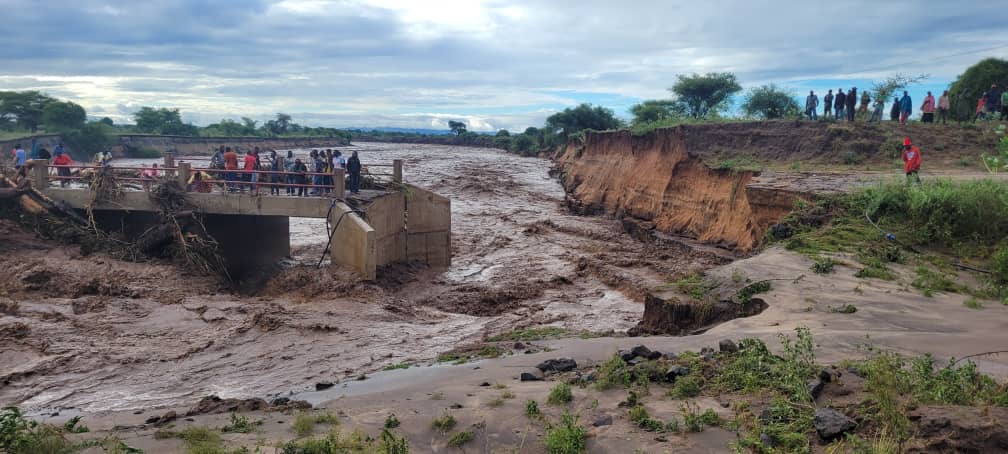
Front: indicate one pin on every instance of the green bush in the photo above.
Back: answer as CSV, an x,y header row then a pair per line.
x,y
566,438
999,265
560,394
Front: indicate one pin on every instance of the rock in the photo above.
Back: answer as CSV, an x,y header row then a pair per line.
x,y
604,420
627,355
815,387
214,404
557,365
163,419
322,385
707,353
727,346
766,439
671,356
641,351
519,346
829,375
486,383
675,372
531,375
635,360
280,401
455,406
590,377
830,424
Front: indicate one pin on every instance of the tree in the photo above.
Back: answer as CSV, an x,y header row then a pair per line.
x,y
88,140
584,116
977,79
106,121
250,126
457,127
23,108
523,144
62,115
770,102
703,95
885,90
283,122
658,110
503,133
162,121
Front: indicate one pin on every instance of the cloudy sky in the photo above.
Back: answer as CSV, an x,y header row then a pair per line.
x,y
493,64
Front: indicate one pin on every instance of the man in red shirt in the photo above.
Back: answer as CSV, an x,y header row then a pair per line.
x,y
911,161
230,164
250,168
62,162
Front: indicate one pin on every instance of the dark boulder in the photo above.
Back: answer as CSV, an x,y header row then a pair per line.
x,y
830,424
557,365
727,346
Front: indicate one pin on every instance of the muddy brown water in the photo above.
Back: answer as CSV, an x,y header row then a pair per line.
x,y
143,336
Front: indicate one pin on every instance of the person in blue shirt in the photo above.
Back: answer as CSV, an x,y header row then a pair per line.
x,y
19,157
906,107
58,150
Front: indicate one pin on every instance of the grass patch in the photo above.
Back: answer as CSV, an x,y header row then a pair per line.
x,y
560,394
402,365
640,417
240,424
353,442
844,309
694,420
74,426
565,438
19,435
930,281
444,423
461,438
973,303
304,423
685,387
739,164
391,422
823,265
746,293
614,372
695,286
531,334
532,409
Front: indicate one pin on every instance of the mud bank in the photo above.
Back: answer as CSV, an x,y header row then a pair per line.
x,y
655,183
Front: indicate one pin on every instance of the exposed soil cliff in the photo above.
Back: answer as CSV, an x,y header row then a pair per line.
x,y
655,182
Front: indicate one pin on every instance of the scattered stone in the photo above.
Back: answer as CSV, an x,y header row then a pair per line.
x,y
766,439
532,375
280,401
590,377
676,372
671,356
635,361
707,353
815,387
456,406
138,412
486,383
627,355
519,346
724,403
322,385
727,346
661,439
604,420
641,351
830,424
557,365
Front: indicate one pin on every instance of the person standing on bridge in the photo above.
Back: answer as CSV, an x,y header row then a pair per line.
x,y
230,166
911,161
63,163
299,177
289,168
249,171
354,170
19,157
274,176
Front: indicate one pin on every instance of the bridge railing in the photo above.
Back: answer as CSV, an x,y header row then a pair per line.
x,y
195,178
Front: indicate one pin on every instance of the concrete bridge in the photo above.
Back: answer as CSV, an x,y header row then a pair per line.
x,y
383,227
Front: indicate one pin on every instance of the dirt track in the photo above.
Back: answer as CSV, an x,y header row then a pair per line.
x,y
96,334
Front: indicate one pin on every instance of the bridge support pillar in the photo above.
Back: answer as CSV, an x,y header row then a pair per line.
x,y
250,243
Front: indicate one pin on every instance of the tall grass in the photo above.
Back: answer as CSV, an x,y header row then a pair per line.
x,y
942,211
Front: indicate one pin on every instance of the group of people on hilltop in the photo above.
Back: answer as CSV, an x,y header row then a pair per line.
x,y
992,102
841,106
298,177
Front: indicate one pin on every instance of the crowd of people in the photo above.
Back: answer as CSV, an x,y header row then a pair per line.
x,y
295,176
847,106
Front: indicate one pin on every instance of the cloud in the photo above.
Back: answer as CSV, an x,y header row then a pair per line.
x,y
493,64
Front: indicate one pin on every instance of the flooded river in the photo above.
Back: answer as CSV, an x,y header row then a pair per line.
x,y
100,334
